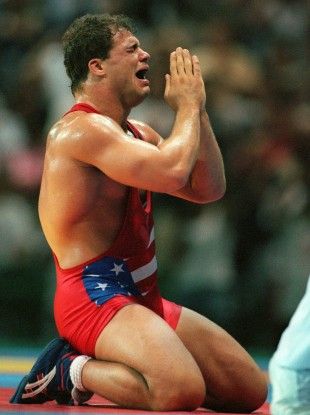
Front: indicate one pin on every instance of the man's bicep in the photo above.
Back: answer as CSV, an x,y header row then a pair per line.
x,y
129,161
125,159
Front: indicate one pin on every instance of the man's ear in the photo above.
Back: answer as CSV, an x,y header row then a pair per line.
x,y
97,67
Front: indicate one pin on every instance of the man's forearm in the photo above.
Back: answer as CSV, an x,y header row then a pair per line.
x,y
183,144
208,175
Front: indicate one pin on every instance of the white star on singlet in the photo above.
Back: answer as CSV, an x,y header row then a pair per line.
x,y
101,286
117,268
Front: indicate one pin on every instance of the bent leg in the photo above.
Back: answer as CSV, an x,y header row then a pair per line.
x,y
233,380
142,363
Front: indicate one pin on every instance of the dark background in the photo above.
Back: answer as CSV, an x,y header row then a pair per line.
x,y
242,261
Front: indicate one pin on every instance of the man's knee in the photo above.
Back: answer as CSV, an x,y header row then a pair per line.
x,y
248,398
185,392
258,390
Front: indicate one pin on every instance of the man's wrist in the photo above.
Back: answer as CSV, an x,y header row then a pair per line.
x,y
188,110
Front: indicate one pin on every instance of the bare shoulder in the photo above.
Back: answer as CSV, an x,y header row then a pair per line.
x,y
148,133
82,131
79,125
82,137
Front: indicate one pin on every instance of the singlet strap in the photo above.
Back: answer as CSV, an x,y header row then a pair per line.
x,y
81,106
134,130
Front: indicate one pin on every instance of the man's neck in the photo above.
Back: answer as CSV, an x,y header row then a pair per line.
x,y
105,105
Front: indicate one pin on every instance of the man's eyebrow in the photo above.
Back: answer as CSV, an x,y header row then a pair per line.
x,y
133,44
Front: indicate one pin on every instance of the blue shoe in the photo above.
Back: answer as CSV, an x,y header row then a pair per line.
x,y
49,377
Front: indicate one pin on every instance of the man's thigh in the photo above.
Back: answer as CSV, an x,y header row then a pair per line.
x,y
142,340
228,370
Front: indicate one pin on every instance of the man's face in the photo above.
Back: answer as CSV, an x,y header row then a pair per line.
x,y
127,66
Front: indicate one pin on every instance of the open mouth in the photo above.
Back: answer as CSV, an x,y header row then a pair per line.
x,y
141,74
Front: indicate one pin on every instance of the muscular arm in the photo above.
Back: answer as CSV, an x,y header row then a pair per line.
x,y
137,163
207,180
99,141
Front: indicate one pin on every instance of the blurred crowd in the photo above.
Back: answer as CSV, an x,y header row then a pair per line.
x,y
242,261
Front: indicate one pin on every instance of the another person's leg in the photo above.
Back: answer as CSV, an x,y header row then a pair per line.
x,y
290,390
233,380
289,368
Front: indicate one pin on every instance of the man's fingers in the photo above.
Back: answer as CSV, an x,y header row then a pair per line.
x,y
180,61
173,64
167,87
188,65
185,83
196,65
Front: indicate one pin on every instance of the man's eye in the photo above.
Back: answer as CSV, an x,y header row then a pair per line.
x,y
132,48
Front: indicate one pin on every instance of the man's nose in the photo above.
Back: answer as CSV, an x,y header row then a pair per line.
x,y
144,57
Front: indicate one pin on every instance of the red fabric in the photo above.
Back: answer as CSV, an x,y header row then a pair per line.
x,y
81,320
82,107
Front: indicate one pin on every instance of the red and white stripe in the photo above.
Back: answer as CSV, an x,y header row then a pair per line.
x,y
143,267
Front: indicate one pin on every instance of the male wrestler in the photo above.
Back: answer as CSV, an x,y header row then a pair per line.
x,y
123,340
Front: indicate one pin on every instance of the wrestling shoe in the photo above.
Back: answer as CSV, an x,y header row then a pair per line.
x,y
49,378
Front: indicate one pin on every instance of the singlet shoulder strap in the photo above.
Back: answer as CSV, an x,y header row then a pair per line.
x,y
81,106
134,130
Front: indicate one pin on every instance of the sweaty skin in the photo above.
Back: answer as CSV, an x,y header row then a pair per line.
x,y
90,161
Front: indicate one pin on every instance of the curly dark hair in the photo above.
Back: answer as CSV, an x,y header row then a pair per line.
x,y
89,37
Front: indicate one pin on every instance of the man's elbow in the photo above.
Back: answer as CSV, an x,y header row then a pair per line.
x,y
218,193
176,179
212,194
220,189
